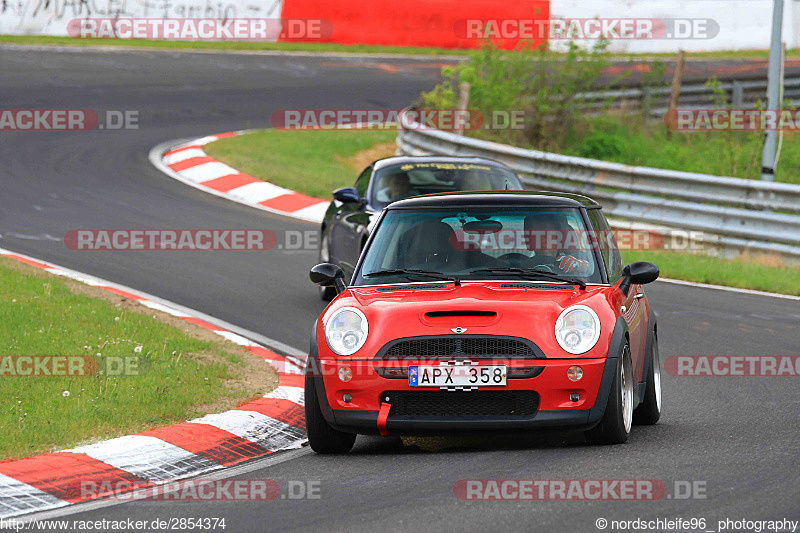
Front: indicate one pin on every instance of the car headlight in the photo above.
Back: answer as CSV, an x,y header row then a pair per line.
x,y
346,331
577,329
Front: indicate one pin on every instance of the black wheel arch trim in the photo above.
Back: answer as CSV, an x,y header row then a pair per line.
x,y
648,355
618,338
314,372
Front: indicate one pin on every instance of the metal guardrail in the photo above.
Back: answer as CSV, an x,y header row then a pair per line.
x,y
741,94
739,213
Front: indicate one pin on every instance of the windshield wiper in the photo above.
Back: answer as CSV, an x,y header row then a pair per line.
x,y
408,272
532,273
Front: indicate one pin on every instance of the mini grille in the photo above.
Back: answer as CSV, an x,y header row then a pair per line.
x,y
458,346
473,403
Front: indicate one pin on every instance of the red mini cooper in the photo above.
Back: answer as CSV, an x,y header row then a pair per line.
x,y
485,311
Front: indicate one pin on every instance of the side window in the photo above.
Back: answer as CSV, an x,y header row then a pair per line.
x,y
608,245
362,183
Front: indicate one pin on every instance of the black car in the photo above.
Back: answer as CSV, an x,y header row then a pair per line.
x,y
352,213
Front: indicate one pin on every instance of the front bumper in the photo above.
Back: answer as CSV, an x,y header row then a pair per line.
x,y
368,389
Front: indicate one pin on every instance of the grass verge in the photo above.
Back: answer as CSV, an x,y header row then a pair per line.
x,y
743,273
633,141
183,370
316,162
313,162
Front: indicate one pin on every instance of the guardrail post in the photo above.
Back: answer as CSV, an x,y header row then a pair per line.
x,y
677,77
737,95
463,104
773,92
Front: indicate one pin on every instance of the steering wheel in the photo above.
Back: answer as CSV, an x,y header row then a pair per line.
x,y
545,268
514,259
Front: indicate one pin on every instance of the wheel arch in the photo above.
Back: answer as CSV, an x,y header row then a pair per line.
x,y
619,337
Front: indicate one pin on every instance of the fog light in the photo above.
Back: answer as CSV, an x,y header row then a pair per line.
x,y
574,373
574,396
345,374
347,398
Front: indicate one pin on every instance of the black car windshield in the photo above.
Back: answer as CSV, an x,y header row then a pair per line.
x,y
395,182
481,244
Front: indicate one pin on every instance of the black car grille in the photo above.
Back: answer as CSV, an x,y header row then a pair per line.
x,y
474,403
459,346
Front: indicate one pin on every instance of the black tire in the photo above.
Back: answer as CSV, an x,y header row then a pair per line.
x,y
613,427
326,294
321,437
649,411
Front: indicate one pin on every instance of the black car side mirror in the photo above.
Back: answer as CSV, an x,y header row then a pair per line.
x,y
346,195
328,275
639,273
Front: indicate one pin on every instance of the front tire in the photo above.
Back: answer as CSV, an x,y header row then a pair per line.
x,y
615,426
321,437
649,411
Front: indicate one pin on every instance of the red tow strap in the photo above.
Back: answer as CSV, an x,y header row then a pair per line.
x,y
383,414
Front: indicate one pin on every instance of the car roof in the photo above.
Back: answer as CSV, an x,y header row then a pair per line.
x,y
407,159
496,199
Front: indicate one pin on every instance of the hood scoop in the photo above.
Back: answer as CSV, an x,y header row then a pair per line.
x,y
459,318
459,313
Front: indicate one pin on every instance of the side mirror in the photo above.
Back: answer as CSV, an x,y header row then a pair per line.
x,y
328,275
346,195
639,273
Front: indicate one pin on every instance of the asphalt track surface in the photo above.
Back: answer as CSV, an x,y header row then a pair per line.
x,y
737,435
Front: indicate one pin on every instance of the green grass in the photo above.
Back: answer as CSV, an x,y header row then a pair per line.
x,y
228,45
178,374
313,162
722,153
732,273
630,140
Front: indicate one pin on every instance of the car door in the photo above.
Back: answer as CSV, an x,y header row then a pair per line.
x,y
635,312
349,226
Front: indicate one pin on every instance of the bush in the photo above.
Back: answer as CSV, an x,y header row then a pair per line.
x,y
601,146
546,86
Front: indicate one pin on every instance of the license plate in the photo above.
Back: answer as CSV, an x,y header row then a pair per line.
x,y
457,375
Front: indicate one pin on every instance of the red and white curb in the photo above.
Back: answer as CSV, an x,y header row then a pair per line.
x,y
263,426
188,163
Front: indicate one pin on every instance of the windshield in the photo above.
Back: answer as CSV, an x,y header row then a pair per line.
x,y
480,243
396,182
